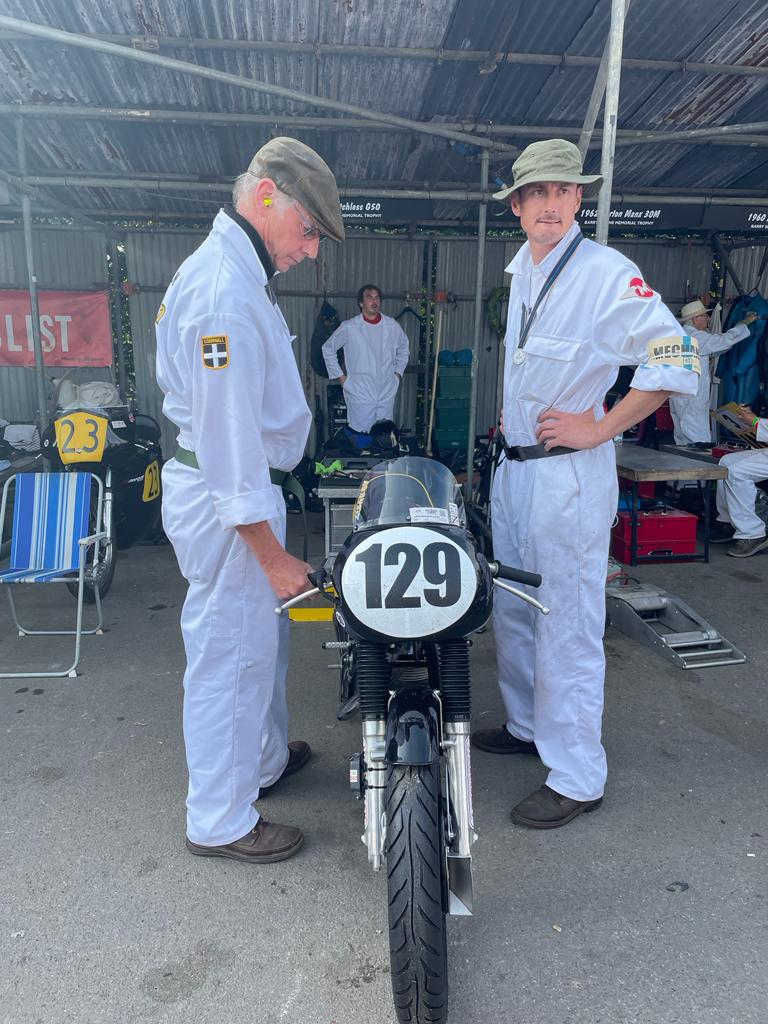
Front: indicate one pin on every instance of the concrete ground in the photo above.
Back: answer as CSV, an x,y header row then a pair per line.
x,y
650,911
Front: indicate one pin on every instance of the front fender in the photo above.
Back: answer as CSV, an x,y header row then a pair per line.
x,y
413,727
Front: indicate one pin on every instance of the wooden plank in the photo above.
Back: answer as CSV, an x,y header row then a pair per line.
x,y
639,464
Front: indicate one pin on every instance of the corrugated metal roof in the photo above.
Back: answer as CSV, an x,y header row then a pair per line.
x,y
723,31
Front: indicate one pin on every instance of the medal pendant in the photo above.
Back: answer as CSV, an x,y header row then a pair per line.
x,y
518,357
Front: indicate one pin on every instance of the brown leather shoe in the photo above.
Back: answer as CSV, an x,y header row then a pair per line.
x,y
299,753
547,809
264,844
501,741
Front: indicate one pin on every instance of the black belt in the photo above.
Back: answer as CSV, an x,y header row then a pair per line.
x,y
522,453
279,477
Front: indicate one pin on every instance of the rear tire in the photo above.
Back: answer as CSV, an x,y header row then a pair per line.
x,y
417,893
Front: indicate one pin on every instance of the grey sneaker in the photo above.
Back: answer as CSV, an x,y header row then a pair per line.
x,y
748,546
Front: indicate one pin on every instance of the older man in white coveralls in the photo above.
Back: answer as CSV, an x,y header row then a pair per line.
x,y
375,354
691,415
232,387
555,494
737,493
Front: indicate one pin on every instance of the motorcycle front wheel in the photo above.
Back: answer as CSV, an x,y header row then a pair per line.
x,y
417,893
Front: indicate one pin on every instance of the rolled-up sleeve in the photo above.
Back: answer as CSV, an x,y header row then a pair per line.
x,y
227,356
633,327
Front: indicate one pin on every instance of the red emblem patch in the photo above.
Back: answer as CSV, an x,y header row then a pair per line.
x,y
638,289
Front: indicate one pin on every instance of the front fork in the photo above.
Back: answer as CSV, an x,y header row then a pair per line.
x,y
369,778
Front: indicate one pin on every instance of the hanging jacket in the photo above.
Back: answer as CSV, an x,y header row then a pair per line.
x,y
739,369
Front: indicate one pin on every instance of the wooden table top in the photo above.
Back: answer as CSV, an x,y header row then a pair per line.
x,y
638,464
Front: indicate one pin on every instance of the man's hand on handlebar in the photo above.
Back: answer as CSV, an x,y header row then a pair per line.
x,y
287,575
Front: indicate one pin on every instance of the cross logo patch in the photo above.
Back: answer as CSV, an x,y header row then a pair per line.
x,y
216,351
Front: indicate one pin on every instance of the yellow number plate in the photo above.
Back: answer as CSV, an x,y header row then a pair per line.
x,y
80,437
151,482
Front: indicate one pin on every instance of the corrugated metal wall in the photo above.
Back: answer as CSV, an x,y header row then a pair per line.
x,y
63,261
67,259
746,262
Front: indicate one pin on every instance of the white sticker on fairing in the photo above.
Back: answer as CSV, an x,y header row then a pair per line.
x,y
428,514
453,511
408,582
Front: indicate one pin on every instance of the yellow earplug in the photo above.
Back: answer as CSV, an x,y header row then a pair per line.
x,y
267,201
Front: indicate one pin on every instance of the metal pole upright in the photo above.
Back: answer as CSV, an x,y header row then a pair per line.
x,y
610,118
26,213
481,223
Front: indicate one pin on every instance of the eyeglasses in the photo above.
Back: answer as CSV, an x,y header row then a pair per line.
x,y
311,230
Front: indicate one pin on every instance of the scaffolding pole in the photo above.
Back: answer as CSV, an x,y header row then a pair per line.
x,y
596,99
478,325
610,118
26,213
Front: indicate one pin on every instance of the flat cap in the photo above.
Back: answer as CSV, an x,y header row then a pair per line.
x,y
302,174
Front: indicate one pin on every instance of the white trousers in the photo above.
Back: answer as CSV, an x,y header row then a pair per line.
x,y
553,516
235,712
736,494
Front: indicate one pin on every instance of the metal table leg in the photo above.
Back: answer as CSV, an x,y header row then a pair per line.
x,y
633,521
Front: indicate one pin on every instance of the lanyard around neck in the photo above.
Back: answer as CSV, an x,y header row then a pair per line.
x,y
527,323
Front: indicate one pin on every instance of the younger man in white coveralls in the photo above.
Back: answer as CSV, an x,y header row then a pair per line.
x,y
553,515
225,363
736,494
376,355
691,415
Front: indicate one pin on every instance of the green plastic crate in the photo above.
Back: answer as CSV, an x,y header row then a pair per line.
x,y
453,419
453,403
455,371
454,387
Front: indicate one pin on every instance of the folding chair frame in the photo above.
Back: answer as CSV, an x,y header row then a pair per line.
x,y
92,541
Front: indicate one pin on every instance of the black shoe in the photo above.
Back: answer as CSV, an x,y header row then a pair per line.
x,y
547,809
721,534
299,753
501,741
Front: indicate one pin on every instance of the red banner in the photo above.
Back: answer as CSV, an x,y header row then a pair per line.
x,y
75,329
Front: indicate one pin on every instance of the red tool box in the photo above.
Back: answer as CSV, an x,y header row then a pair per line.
x,y
661,532
645,488
725,449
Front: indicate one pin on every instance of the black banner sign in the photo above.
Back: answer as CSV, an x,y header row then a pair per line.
x,y
356,210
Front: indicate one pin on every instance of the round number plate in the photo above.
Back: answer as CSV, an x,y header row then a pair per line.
x,y
408,582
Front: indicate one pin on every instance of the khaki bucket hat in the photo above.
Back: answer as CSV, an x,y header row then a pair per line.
x,y
302,174
550,160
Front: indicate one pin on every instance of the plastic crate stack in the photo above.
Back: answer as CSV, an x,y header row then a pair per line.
x,y
454,385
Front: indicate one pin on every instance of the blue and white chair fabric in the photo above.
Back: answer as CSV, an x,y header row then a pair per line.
x,y
50,544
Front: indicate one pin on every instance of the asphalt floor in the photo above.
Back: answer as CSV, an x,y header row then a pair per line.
x,y
652,910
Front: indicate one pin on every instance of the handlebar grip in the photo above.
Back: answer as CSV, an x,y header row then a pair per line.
x,y
506,572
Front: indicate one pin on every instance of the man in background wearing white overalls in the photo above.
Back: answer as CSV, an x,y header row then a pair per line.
x,y
375,355
232,387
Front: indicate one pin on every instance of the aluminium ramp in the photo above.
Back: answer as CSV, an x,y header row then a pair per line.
x,y
664,622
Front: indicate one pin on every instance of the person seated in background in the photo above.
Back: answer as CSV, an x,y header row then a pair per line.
x,y
375,354
736,494
691,415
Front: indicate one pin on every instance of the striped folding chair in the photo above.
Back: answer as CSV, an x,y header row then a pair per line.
x,y
50,544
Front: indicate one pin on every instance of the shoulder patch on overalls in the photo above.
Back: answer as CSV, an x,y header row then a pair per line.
x,y
216,351
638,289
160,313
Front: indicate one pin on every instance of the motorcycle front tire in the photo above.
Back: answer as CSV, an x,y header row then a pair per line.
x,y
416,892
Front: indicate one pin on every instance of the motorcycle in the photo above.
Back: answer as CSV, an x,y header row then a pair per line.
x,y
92,430
410,587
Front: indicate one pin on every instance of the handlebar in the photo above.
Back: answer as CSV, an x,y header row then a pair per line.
x,y
506,572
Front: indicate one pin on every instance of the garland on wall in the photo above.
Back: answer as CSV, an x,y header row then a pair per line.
x,y
495,311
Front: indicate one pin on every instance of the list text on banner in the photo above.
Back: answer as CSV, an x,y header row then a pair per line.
x,y
75,329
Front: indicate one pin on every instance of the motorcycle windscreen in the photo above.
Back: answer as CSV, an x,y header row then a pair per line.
x,y
408,490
